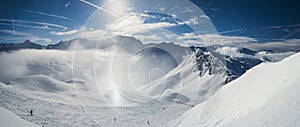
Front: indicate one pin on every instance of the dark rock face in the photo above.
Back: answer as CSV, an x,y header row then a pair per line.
x,y
231,67
17,46
62,45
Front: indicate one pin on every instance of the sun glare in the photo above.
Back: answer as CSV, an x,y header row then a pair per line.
x,y
117,7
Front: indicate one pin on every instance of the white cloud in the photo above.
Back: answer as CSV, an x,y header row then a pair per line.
x,y
147,38
35,38
285,45
274,56
238,41
212,39
215,39
188,36
191,21
187,10
135,25
232,52
162,8
92,34
71,32
132,26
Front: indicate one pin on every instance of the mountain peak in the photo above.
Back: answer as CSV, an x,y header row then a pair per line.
x,y
27,41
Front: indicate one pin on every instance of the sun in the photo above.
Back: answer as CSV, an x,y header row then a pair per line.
x,y
117,7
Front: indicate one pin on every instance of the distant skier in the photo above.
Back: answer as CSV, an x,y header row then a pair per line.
x,y
115,119
31,113
148,122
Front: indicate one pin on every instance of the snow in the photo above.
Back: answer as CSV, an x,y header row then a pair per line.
x,y
266,95
63,91
40,83
9,119
274,56
65,88
187,85
47,112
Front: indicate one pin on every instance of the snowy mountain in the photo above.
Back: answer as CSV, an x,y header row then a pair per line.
x,y
17,46
62,45
266,95
192,65
123,79
235,65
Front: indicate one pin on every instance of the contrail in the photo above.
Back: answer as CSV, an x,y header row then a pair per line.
x,y
13,26
37,23
46,14
14,32
291,34
280,26
98,7
27,26
261,28
232,31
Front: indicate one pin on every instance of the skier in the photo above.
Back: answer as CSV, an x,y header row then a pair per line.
x,y
31,113
115,119
148,122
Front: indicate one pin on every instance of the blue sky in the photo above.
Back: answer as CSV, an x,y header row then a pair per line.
x,y
48,22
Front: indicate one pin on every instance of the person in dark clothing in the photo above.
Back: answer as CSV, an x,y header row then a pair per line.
x,y
148,122
115,119
31,113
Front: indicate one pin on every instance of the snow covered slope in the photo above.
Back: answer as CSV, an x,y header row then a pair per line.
x,y
184,85
266,95
9,119
40,83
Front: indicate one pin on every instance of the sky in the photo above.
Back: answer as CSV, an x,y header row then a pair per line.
x,y
48,22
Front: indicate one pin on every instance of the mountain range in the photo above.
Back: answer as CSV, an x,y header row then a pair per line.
x,y
207,58
154,82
